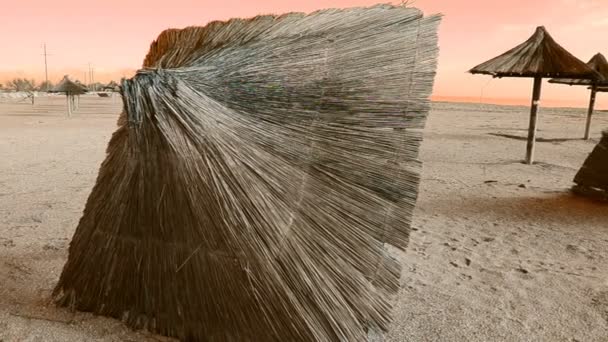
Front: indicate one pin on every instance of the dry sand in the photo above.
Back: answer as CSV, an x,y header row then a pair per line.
x,y
501,250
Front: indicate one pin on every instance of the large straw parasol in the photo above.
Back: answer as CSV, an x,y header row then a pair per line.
x,y
70,89
600,65
538,57
260,170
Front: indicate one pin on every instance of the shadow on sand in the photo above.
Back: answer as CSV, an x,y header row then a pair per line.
x,y
517,137
548,207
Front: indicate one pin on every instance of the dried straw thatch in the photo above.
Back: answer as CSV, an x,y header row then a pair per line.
x,y
260,170
539,56
593,175
599,64
69,87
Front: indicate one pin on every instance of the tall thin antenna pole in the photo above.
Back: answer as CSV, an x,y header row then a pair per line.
x,y
46,70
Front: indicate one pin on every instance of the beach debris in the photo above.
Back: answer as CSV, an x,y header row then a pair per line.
x,y
259,172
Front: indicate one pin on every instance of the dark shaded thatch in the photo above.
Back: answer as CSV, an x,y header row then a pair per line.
x,y
593,175
599,64
539,56
68,87
602,89
260,170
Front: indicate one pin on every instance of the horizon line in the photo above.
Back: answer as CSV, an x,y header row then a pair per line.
x,y
510,101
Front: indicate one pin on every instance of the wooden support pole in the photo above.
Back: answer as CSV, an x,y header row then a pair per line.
x,y
533,120
67,96
590,112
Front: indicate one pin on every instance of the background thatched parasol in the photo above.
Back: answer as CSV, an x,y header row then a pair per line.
x,y
112,86
600,65
538,57
260,170
70,89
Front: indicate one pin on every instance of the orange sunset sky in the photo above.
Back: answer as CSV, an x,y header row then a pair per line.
x,y
114,35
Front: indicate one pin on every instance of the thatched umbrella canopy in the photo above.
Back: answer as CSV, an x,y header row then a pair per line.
x,y
538,57
592,178
70,89
112,86
600,65
260,170
84,87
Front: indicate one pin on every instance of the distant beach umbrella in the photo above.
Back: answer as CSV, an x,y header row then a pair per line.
x,y
112,86
84,87
259,173
70,89
539,57
592,178
600,65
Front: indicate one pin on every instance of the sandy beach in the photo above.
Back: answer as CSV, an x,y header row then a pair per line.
x,y
500,251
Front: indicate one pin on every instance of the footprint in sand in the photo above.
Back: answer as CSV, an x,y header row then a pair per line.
x,y
17,270
7,243
449,246
589,254
31,219
600,303
466,276
56,244
572,248
524,273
